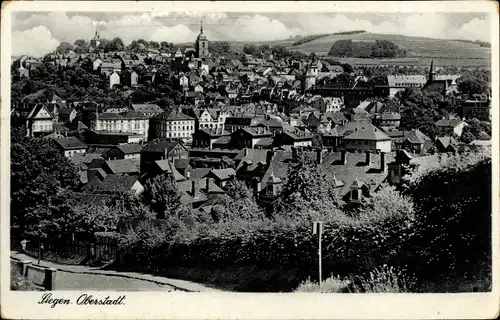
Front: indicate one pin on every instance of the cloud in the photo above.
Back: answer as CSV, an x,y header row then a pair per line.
x,y
476,29
34,42
176,34
182,27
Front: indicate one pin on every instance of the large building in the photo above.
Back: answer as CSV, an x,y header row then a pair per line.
x,y
172,125
201,45
128,122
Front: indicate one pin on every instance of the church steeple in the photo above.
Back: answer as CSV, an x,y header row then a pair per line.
x,y
201,26
432,72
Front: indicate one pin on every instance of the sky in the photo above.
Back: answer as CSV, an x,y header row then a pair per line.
x,y
38,33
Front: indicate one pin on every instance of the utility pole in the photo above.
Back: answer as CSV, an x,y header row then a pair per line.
x,y
318,229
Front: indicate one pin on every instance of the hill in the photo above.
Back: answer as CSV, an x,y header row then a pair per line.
x,y
419,50
366,49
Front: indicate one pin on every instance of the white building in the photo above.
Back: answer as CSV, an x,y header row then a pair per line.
x,y
172,124
39,121
368,138
129,122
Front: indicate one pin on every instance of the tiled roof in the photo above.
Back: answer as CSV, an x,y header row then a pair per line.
x,y
114,182
123,166
368,134
167,166
70,143
130,148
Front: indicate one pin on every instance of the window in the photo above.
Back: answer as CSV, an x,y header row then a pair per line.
x,y
270,190
355,194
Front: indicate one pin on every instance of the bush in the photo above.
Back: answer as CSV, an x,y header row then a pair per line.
x,y
20,283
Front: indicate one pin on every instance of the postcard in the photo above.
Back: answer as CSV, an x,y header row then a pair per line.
x,y
249,160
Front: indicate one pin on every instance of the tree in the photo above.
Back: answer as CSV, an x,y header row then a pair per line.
x,y
347,68
64,47
116,45
39,173
162,196
237,204
470,85
452,216
250,49
308,191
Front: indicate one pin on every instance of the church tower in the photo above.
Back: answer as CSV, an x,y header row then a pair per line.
x,y
94,43
202,44
432,72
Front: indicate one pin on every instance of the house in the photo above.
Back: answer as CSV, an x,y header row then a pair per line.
x,y
124,151
166,166
160,149
71,146
39,121
205,138
367,138
296,138
197,192
444,144
129,122
221,176
448,127
172,124
387,119
148,110
210,118
413,141
114,79
476,109
109,67
398,83
234,123
248,137
66,115
354,175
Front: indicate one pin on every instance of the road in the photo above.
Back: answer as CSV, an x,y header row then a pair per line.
x,y
76,277
77,281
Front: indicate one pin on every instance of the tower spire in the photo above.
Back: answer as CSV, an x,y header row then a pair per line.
x,y
432,72
201,26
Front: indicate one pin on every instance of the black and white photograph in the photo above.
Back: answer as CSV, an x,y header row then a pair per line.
x,y
215,152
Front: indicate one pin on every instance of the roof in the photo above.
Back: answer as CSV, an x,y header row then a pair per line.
x,y
414,136
298,135
223,174
390,116
129,148
368,134
112,182
401,80
167,166
446,141
159,145
123,166
70,143
173,115
252,157
36,109
448,122
83,160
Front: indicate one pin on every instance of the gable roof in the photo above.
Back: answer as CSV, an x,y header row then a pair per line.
x,y
173,115
36,109
70,143
112,182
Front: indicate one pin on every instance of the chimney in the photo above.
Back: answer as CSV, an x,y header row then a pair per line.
x,y
343,157
207,183
188,174
368,158
382,161
269,156
245,152
319,156
194,191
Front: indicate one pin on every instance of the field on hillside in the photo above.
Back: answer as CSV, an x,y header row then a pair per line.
x,y
420,50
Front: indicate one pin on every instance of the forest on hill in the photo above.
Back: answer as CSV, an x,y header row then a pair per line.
x,y
366,49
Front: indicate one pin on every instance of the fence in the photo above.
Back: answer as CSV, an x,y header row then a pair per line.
x,y
101,249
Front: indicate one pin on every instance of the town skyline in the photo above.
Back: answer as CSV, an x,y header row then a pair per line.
x,y
38,33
